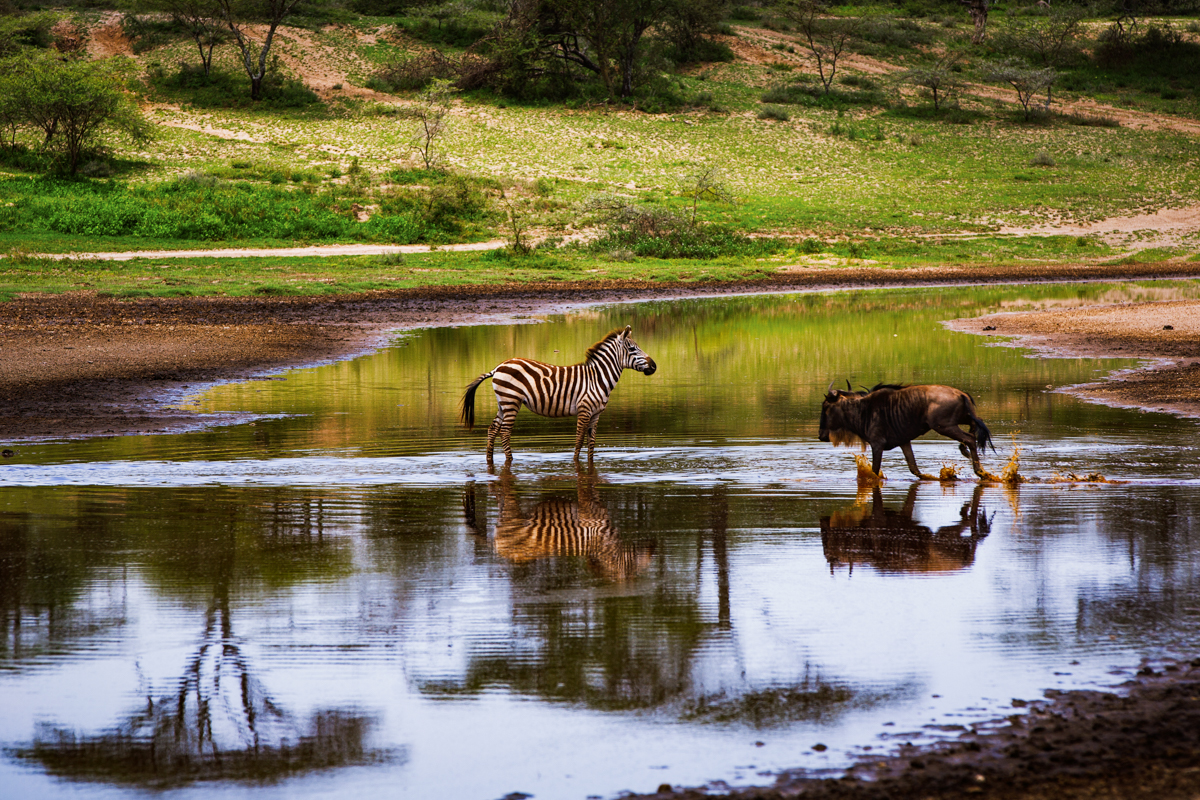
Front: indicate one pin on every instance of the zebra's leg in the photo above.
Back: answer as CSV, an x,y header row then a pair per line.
x,y
592,434
493,429
507,417
583,424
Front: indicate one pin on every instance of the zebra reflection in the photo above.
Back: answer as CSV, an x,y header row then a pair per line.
x,y
573,527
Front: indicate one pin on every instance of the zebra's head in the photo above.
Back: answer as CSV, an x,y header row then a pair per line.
x,y
632,356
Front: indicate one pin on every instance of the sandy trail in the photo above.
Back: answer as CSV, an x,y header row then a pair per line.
x,y
289,252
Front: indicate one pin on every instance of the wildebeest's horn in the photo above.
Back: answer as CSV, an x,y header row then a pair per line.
x,y
849,388
829,388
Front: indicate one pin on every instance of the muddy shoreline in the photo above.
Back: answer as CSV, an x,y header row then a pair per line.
x,y
79,365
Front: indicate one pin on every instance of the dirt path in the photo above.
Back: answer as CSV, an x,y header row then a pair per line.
x,y
289,252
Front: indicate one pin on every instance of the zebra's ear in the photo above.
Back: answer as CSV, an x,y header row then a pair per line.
x,y
628,330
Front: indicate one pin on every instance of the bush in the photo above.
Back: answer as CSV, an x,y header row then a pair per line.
x,y
659,233
199,208
775,113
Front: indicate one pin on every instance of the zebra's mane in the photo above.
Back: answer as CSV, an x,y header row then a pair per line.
x,y
598,346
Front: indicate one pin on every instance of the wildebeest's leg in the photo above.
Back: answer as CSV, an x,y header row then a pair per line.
x,y
911,460
967,441
876,458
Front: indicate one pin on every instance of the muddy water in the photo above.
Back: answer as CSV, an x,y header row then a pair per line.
x,y
338,596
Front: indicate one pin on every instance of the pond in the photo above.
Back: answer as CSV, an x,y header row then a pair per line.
x,y
338,595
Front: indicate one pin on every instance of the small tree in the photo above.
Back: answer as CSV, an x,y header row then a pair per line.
x,y
432,114
1028,81
825,37
238,15
200,18
1046,40
706,185
71,103
939,79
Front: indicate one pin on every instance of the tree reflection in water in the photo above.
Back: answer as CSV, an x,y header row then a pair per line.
x,y
219,722
651,644
893,541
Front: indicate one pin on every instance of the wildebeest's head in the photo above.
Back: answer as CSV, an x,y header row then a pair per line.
x,y
835,427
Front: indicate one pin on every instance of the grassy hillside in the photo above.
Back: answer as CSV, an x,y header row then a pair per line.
x,y
870,172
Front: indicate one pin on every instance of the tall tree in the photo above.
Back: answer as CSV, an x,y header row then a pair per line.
x,y
603,36
238,15
978,9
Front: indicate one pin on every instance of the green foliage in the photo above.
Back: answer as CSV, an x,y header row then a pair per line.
x,y
70,103
221,88
20,31
775,113
453,24
196,208
814,96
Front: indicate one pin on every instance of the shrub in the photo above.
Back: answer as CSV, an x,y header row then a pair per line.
x,y
1042,159
775,113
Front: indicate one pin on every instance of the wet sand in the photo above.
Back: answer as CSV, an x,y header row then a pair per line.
x,y
1166,334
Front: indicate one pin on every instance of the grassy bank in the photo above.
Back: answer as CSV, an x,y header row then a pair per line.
x,y
276,275
869,174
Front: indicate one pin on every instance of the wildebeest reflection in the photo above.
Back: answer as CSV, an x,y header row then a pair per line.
x,y
577,527
892,541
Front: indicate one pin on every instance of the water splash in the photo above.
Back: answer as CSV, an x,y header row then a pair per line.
x,y
1010,474
948,474
867,477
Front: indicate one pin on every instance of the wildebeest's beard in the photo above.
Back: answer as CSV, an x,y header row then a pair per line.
x,y
835,425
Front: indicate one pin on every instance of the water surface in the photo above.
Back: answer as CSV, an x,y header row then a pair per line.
x,y
341,597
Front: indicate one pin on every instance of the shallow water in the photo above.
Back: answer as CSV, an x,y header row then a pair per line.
x,y
340,597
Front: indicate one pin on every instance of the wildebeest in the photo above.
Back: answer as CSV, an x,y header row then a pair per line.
x,y
890,415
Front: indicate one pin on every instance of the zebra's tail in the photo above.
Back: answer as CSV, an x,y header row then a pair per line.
x,y
467,414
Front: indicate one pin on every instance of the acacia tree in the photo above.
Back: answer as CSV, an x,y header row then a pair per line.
x,y
1026,80
939,78
602,36
431,114
71,103
238,15
825,37
707,184
1046,39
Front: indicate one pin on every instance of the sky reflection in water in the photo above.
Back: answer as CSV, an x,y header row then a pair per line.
x,y
341,597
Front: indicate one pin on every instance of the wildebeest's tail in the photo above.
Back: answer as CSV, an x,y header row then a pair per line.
x,y
983,436
467,415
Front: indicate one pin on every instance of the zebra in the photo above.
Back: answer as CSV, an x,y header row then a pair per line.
x,y
580,390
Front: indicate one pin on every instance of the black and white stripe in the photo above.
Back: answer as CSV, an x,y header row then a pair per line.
x,y
580,390
565,527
